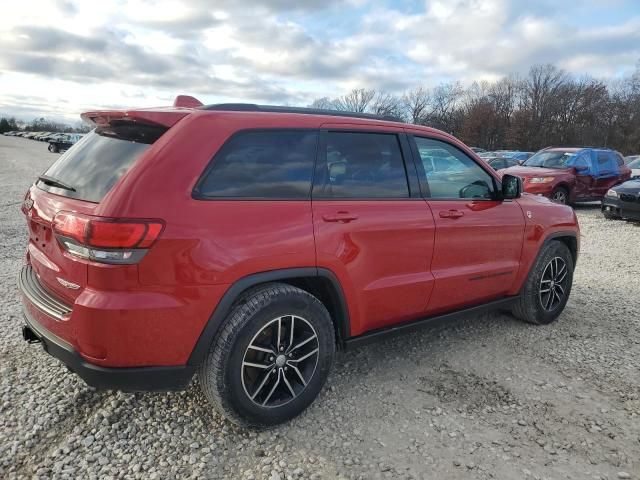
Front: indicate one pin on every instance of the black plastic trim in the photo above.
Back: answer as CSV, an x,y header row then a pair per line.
x,y
251,107
430,322
223,308
137,379
562,234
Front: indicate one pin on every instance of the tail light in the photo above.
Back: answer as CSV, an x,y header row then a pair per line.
x,y
106,240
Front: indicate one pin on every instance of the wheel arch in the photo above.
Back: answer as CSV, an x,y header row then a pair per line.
x,y
319,282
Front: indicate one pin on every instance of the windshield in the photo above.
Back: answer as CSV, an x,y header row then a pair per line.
x,y
554,159
634,164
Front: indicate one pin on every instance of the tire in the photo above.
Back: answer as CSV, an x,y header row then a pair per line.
x,y
534,306
229,377
53,148
560,195
611,216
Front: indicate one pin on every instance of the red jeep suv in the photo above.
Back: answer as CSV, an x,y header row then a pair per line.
x,y
246,243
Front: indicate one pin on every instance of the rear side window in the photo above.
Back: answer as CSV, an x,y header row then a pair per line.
x,y
94,164
361,165
262,164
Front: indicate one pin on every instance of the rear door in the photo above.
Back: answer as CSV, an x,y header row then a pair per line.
x,y
478,239
373,231
585,179
608,172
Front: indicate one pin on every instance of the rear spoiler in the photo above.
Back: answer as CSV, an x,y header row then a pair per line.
x,y
163,116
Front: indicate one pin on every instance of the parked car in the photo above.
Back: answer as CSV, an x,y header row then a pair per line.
x,y
623,201
143,269
63,142
630,158
634,165
477,149
570,175
516,155
498,163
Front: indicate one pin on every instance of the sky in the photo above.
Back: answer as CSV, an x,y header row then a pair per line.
x,y
60,58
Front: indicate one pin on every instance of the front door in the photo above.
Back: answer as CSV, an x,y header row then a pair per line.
x,y
370,231
478,239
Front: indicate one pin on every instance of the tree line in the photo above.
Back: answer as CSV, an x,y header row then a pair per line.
x,y
546,107
9,124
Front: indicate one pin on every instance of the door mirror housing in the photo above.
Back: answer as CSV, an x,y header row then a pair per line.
x,y
581,168
511,187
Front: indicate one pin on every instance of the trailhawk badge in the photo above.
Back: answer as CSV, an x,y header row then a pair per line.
x,y
66,284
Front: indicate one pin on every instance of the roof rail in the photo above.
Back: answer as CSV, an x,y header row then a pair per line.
x,y
251,107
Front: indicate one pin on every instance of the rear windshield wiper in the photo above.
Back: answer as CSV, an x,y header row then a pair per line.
x,y
54,182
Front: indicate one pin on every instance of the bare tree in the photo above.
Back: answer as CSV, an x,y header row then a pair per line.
x,y
388,105
416,103
324,103
357,100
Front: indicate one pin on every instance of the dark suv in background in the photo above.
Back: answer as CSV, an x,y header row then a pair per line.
x,y
246,243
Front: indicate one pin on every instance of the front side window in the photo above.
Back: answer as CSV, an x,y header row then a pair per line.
x,y
361,165
449,173
262,164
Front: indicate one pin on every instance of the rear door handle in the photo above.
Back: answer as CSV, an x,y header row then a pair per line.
x,y
342,217
451,213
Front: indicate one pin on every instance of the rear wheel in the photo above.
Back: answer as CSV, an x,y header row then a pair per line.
x,y
271,358
560,195
548,286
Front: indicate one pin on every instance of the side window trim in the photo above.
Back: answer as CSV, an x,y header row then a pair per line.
x,y
422,177
321,161
197,194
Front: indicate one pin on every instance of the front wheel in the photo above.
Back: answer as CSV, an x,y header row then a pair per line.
x,y
560,195
548,286
271,358
53,148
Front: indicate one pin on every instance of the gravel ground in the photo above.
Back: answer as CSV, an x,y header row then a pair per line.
x,y
486,398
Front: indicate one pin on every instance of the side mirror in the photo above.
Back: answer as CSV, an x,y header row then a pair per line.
x,y
511,186
581,168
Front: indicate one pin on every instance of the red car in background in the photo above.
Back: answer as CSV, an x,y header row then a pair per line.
x,y
570,175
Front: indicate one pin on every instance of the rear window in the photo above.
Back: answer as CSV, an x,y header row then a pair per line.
x,y
94,164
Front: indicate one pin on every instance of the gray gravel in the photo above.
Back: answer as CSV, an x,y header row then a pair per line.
x,y
486,398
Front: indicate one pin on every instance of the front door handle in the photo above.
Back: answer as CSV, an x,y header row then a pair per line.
x,y
451,213
341,217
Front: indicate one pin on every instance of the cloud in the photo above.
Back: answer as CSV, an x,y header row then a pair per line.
x,y
291,51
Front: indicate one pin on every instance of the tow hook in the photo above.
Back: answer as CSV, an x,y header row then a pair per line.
x,y
29,335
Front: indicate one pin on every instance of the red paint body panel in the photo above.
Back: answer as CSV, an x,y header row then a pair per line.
x,y
399,260
476,255
381,258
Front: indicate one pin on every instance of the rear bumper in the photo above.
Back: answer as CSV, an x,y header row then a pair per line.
x,y
127,379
